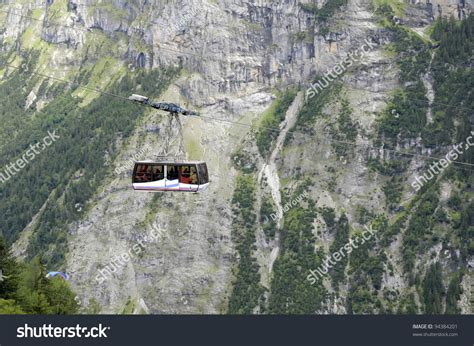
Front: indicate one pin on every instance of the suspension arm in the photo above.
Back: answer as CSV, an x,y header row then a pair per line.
x,y
168,107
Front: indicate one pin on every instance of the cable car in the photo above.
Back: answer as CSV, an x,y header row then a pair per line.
x,y
186,176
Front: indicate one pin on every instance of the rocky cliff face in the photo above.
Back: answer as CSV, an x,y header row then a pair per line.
x,y
233,54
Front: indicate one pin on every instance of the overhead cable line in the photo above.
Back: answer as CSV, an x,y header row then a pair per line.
x,y
244,124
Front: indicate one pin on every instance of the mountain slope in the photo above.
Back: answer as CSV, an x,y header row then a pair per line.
x,y
352,150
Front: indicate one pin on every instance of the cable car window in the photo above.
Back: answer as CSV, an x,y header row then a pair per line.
x,y
158,172
143,174
172,173
184,176
203,174
188,175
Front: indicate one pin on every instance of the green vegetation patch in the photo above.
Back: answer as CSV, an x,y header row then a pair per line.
x,y
268,128
26,290
247,291
291,292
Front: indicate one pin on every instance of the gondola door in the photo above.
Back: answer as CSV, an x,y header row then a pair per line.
x,y
172,178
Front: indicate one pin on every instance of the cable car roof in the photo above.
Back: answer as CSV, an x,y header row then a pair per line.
x,y
165,162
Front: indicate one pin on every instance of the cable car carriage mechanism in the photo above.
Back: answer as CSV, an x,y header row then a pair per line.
x,y
165,173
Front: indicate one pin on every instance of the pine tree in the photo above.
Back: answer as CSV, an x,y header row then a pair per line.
x,y
34,287
8,273
454,294
433,290
9,307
